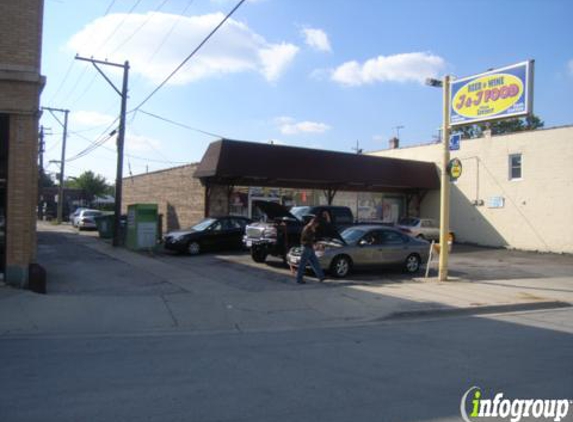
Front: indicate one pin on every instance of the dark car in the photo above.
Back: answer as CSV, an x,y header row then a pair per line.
x,y
282,228
220,233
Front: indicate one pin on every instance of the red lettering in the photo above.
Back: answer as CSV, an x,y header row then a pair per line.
x,y
513,90
487,95
469,102
479,95
460,105
504,92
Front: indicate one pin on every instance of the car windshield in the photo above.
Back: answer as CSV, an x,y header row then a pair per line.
x,y
203,224
408,221
300,212
352,235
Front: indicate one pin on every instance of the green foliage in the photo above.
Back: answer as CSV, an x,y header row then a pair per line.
x,y
45,180
93,185
502,126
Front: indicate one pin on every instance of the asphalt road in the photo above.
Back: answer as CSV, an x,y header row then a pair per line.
x,y
404,371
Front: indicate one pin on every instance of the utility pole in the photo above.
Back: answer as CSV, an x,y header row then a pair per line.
x,y
445,185
41,149
120,136
63,160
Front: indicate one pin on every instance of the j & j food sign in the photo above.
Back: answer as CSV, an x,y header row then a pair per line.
x,y
497,94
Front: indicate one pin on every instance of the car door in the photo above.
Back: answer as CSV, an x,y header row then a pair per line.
x,y
366,251
213,238
236,229
392,247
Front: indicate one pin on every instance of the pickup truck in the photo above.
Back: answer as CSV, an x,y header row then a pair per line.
x,y
282,228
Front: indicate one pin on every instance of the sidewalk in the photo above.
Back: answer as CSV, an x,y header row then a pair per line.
x,y
105,291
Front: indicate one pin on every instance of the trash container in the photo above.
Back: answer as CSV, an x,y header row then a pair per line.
x,y
104,225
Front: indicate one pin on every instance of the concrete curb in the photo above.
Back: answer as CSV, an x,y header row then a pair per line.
x,y
476,310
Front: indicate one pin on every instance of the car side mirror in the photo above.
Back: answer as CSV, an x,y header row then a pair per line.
x,y
362,243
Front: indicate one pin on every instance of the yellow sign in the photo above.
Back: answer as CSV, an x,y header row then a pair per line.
x,y
455,168
489,95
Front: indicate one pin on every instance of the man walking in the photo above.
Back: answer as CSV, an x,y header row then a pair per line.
x,y
307,239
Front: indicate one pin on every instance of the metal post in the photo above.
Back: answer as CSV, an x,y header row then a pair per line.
x,y
445,185
120,144
62,169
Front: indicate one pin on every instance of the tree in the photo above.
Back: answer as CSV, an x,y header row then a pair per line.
x,y
500,127
93,185
45,180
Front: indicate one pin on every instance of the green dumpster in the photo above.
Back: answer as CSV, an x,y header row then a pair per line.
x,y
141,226
105,225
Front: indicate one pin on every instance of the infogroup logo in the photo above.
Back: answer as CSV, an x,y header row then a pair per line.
x,y
474,407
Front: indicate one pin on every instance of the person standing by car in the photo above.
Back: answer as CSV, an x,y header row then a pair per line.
x,y
307,240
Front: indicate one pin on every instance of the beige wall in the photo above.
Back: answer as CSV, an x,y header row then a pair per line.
x,y
20,88
538,210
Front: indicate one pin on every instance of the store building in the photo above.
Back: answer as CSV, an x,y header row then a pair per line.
x,y
514,192
20,86
232,174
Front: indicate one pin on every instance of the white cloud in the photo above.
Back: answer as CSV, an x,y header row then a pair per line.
x,y
316,39
234,48
90,118
289,126
408,67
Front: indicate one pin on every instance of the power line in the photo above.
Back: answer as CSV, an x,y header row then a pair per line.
x,y
173,122
168,34
67,74
145,22
190,55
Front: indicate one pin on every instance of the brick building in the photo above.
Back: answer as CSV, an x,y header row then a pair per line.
x,y
20,86
180,197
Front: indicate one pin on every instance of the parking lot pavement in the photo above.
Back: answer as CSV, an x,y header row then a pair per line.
x,y
94,288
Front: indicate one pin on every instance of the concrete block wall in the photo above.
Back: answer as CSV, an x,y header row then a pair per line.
x,y
537,209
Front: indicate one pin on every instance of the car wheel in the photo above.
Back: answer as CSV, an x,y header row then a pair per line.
x,y
259,255
193,248
412,264
340,266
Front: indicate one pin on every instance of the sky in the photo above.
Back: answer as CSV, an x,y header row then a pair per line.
x,y
312,73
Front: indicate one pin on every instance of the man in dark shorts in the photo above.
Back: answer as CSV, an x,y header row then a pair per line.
x,y
307,240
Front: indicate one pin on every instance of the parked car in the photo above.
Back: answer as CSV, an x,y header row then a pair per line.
x,y
283,227
367,246
74,216
421,228
86,219
209,234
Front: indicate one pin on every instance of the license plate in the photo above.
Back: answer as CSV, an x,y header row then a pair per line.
x,y
249,243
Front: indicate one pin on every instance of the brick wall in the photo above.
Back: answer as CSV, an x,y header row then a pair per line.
x,y
20,88
21,40
179,196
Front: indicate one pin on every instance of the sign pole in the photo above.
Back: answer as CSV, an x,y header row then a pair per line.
x,y
445,185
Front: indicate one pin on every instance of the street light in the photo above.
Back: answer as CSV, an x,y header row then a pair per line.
x,y
445,185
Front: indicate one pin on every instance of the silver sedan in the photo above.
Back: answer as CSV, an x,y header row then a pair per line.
x,y
367,246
